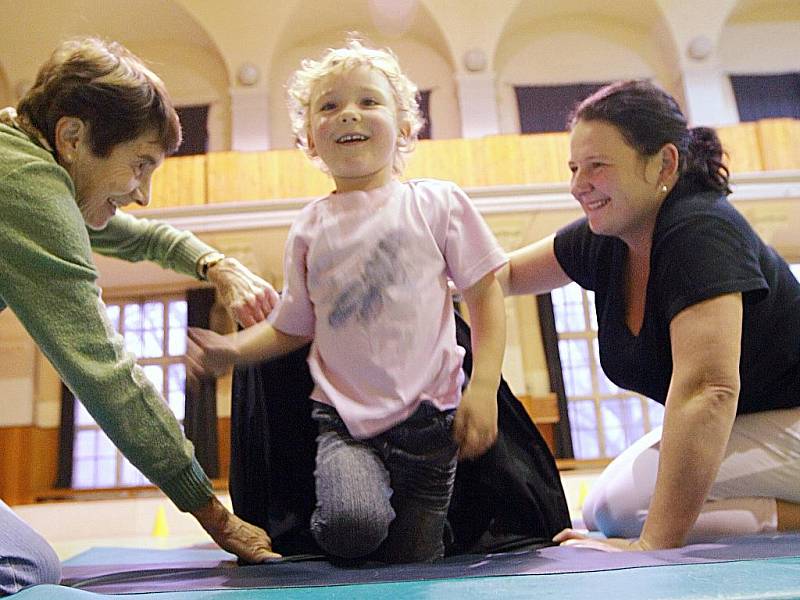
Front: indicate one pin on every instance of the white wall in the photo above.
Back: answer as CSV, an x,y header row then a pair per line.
x,y
7,95
194,75
760,47
560,52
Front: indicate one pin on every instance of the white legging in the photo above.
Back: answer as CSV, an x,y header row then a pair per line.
x,y
761,464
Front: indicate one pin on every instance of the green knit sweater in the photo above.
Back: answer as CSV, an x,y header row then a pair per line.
x,y
48,279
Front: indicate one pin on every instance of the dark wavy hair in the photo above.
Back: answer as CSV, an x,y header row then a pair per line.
x,y
648,117
108,88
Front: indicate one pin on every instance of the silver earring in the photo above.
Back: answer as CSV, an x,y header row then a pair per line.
x,y
663,188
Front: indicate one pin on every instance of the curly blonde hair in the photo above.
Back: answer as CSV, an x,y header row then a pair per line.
x,y
354,54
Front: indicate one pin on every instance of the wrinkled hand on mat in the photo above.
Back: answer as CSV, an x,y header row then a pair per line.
x,y
250,543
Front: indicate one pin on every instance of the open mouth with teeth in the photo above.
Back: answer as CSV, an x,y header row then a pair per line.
x,y
351,138
595,204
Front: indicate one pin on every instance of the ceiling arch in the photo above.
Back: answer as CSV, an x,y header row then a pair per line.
x,y
641,17
381,21
41,24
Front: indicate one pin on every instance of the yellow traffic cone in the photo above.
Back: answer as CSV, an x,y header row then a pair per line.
x,y
160,527
583,491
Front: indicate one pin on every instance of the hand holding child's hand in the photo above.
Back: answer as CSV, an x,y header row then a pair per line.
x,y
475,425
208,354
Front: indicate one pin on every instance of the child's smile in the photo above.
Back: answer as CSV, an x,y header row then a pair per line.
x,y
352,138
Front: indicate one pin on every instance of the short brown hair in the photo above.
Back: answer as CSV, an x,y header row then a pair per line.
x,y
108,88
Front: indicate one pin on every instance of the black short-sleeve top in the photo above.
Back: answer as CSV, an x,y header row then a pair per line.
x,y
702,248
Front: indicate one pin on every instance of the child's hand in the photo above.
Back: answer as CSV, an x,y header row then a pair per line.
x,y
475,425
208,354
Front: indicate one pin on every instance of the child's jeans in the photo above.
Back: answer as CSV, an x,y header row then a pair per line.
x,y
385,497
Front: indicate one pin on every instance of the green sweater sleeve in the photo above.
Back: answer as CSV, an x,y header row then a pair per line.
x,y
47,277
135,239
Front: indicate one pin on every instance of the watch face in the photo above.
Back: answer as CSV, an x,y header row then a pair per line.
x,y
208,261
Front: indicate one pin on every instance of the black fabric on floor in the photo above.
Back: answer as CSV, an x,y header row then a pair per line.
x,y
509,498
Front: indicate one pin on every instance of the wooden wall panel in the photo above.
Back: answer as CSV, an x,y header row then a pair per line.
x,y
452,160
28,458
180,181
778,139
491,161
742,145
224,441
498,160
14,465
544,157
277,174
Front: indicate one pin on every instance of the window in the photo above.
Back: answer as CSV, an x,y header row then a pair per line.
x,y
424,99
545,108
154,330
194,126
767,96
604,419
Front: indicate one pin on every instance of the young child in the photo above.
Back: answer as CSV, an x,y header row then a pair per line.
x,y
366,278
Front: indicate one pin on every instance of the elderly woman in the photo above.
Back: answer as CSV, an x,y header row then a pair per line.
x,y
83,143
693,311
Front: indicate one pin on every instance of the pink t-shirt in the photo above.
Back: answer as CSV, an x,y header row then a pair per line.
x,y
366,275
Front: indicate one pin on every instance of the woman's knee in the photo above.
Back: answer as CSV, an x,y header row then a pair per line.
x,y
614,514
619,500
34,562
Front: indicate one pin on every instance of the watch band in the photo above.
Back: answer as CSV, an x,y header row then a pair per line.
x,y
207,261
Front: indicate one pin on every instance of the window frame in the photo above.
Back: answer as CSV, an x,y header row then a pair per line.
x,y
82,421
590,335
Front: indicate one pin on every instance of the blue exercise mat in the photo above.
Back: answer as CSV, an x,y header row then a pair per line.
x,y
122,570
767,579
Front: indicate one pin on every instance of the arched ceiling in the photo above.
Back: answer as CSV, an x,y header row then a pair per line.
x,y
143,20
643,16
381,20
641,13
41,24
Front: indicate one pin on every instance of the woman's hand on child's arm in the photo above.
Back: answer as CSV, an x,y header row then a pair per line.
x,y
475,426
247,296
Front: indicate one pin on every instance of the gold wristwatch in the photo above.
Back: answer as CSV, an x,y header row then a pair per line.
x,y
207,261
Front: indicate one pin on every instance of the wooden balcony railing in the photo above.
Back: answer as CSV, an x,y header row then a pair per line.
x,y
220,177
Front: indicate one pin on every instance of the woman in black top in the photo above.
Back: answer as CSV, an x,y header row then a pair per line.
x,y
693,311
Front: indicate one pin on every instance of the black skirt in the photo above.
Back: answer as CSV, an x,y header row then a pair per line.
x,y
509,498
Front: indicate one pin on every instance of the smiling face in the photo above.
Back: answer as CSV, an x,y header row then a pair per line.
x,y
618,188
103,184
354,127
